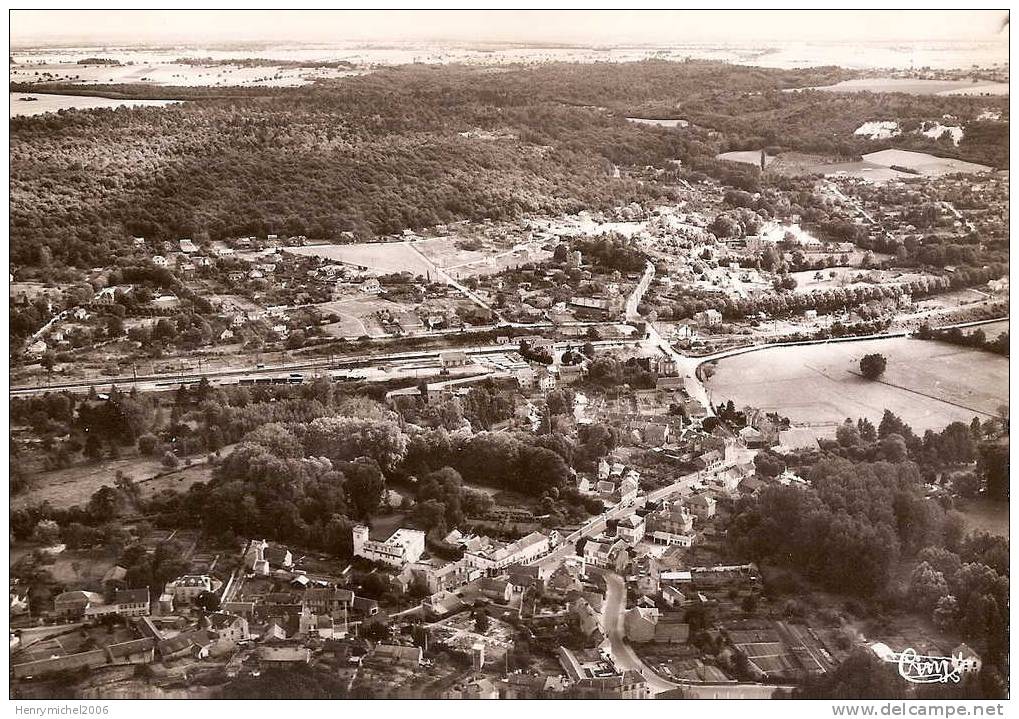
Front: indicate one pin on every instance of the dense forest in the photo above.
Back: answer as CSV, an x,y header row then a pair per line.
x,y
375,154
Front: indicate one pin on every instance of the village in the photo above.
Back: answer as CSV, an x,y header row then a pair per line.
x,y
576,317
616,392
214,307
638,600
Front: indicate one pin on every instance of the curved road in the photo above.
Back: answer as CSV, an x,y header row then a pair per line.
x,y
625,658
615,644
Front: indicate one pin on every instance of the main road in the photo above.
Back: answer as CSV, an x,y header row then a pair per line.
x,y
623,656
597,525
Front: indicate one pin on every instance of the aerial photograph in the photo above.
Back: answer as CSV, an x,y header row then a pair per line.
x,y
509,354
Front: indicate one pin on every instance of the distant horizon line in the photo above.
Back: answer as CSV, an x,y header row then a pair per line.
x,y
593,45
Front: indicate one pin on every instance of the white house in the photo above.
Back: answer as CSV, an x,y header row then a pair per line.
x,y
708,318
631,530
496,555
402,547
189,586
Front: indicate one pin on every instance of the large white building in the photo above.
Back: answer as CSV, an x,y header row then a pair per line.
x,y
498,556
402,547
187,587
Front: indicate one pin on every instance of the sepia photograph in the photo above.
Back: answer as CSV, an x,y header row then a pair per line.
x,y
509,354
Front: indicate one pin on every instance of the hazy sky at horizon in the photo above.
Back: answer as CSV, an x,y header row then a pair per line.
x,y
38,27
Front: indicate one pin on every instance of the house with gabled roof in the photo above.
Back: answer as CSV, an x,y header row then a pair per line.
x,y
702,506
331,601
126,603
631,529
283,656
76,603
495,590
396,654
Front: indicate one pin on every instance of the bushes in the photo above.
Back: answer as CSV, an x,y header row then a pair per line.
x,y
147,444
976,339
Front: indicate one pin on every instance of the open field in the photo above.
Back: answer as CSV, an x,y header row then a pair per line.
x,y
354,316
444,252
801,163
864,170
853,277
993,329
928,384
65,488
986,515
173,74
379,256
844,277
43,103
925,164
952,300
913,86
746,157
31,290
487,260
875,166
796,163
81,567
415,256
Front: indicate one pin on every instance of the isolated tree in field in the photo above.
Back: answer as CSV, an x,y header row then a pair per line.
x,y
873,366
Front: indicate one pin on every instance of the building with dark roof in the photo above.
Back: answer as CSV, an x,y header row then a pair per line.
x,y
396,654
328,600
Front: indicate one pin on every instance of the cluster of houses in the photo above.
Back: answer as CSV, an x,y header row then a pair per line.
x,y
181,623
483,560
614,483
